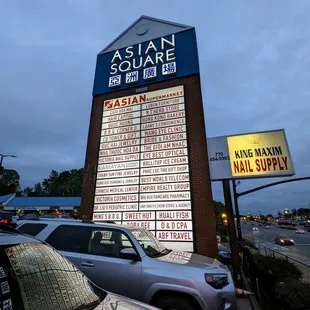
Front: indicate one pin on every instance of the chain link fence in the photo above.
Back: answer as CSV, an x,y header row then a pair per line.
x,y
267,251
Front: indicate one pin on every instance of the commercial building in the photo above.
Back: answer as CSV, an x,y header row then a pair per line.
x,y
47,205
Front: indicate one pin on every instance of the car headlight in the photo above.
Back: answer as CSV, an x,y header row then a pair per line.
x,y
281,240
292,240
217,281
224,254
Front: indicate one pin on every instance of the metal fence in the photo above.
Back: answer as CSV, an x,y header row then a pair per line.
x,y
265,250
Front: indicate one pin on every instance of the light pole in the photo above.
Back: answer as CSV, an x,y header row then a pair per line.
x,y
6,155
235,194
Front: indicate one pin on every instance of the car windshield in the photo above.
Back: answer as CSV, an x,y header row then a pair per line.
x,y
283,237
35,276
151,246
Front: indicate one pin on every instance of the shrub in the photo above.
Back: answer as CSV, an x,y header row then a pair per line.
x,y
293,294
280,268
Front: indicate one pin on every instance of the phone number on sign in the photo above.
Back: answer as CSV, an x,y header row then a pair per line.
x,y
219,156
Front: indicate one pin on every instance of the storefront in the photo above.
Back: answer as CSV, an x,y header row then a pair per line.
x,y
43,205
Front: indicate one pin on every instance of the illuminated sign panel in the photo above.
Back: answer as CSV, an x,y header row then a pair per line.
x,y
253,155
143,174
155,60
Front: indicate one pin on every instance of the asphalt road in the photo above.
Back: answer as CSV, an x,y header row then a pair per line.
x,y
266,236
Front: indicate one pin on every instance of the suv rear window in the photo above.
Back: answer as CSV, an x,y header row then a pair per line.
x,y
70,238
32,229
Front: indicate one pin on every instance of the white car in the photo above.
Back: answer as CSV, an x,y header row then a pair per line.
x,y
267,226
299,231
255,229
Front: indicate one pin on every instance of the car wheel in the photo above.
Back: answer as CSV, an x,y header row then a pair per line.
x,y
174,303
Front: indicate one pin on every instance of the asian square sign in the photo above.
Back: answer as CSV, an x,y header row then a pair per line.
x,y
253,155
146,161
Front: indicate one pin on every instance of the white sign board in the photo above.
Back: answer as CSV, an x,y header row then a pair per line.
x,y
143,175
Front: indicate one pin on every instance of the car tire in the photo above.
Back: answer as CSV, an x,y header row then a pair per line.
x,y
174,303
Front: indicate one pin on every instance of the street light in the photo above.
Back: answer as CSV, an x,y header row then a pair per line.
x,y
6,155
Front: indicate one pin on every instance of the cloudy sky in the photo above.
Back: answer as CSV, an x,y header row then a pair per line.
x,y
255,67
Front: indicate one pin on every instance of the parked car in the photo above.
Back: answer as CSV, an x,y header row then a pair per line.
x,y
6,217
284,240
113,256
224,255
299,231
35,276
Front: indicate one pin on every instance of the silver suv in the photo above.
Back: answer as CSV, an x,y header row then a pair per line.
x,y
33,275
130,261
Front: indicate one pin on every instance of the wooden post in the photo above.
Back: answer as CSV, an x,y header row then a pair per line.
x,y
232,234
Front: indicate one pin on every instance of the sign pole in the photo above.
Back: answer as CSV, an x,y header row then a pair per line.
x,y
232,234
237,210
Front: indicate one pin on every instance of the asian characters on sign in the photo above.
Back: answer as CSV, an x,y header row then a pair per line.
x,y
143,177
143,61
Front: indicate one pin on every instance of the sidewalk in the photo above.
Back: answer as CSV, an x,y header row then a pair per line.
x,y
244,303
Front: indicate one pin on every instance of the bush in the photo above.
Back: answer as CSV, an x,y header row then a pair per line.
x,y
280,268
293,294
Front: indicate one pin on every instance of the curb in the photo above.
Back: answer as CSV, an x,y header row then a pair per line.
x,y
252,298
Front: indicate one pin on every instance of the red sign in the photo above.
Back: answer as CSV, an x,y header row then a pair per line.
x,y
107,216
116,166
164,131
112,159
118,144
120,130
164,138
120,117
180,205
165,196
167,123
138,216
121,110
168,109
167,153
118,181
163,117
174,215
116,207
162,103
124,136
116,198
165,187
128,122
174,235
117,190
120,151
165,178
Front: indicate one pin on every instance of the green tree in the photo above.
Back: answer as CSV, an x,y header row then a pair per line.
x,y
9,181
66,183
269,215
279,213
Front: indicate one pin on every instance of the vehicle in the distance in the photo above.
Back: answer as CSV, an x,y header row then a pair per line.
x,y
267,226
299,231
255,228
284,240
131,262
35,276
6,217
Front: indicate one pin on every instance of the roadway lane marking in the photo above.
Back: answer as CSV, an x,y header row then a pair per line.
x,y
302,244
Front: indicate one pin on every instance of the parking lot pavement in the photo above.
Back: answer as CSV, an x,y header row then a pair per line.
x,y
243,303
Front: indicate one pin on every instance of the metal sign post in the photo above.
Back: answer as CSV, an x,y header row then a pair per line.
x,y
232,234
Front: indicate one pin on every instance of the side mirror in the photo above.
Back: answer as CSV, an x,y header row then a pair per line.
x,y
129,253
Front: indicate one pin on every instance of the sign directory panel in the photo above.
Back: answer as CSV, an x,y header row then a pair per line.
x,y
143,169
253,155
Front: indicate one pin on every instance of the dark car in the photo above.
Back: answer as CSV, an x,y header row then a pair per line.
x,y
284,240
6,217
224,255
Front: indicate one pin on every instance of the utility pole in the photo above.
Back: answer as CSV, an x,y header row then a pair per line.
x,y
2,156
239,231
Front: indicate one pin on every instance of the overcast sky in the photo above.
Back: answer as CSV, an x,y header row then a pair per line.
x,y
254,61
